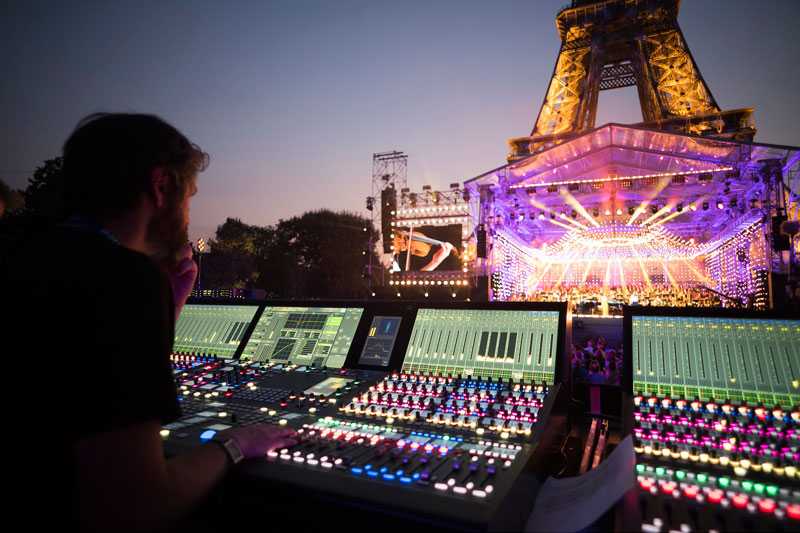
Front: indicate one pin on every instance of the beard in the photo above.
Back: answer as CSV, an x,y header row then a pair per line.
x,y
168,233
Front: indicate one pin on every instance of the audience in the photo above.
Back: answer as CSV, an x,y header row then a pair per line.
x,y
597,363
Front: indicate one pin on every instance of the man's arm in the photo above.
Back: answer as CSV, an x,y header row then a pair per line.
x,y
124,483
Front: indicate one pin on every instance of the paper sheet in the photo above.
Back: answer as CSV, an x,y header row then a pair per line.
x,y
571,504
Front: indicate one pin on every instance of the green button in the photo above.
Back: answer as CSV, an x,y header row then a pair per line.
x,y
702,478
772,490
680,474
640,468
759,488
747,485
724,482
660,471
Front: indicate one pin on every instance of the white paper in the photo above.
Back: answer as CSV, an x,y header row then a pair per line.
x,y
571,504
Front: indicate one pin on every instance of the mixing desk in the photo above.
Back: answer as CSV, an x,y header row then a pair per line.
x,y
716,423
433,413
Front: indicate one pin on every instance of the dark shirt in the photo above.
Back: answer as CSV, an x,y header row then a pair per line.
x,y
91,325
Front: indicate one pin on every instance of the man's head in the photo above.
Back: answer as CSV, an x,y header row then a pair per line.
x,y
119,163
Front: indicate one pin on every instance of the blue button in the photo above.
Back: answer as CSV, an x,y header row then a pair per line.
x,y
357,471
415,476
367,467
207,434
388,477
372,473
384,469
405,479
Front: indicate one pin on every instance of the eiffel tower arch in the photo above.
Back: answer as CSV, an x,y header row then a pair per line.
x,y
620,43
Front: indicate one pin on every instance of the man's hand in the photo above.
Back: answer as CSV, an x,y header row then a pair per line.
x,y
182,278
258,439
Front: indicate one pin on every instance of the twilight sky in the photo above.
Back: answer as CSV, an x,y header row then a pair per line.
x,y
292,97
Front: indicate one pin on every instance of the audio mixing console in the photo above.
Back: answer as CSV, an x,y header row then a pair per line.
x,y
432,413
715,420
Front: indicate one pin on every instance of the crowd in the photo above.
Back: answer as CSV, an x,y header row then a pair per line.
x,y
609,300
597,363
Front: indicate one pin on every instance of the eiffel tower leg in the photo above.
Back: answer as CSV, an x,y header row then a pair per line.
x,y
559,112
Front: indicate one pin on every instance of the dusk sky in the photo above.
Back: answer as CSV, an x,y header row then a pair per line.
x,y
292,98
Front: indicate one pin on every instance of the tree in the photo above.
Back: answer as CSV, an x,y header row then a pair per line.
x,y
320,254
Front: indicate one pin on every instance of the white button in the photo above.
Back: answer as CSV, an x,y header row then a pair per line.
x,y
459,490
479,493
489,489
441,486
299,460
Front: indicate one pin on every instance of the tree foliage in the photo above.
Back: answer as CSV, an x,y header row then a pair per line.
x,y
320,254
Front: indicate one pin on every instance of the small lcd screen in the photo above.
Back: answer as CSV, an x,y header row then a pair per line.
x,y
380,341
313,336
212,329
516,344
328,386
742,359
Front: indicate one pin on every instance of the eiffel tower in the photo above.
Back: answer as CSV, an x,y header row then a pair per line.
x,y
620,43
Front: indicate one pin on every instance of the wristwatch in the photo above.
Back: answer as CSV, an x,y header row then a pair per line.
x,y
231,447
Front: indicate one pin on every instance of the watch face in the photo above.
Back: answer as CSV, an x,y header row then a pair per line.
x,y
234,452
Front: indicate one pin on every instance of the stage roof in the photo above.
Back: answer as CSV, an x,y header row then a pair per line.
x,y
616,176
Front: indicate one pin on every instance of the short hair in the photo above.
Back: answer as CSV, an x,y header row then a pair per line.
x,y
109,158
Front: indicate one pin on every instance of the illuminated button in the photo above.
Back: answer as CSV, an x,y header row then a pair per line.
x,y
207,434
723,482
740,501
459,490
680,474
164,433
489,489
479,493
766,506
272,413
441,486
759,488
222,414
282,422
668,487
691,491
272,453
715,495
793,511
702,478
640,468
747,485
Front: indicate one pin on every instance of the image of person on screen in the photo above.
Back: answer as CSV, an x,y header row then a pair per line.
x,y
417,250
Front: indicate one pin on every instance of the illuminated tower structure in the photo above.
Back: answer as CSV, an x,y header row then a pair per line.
x,y
684,203
611,44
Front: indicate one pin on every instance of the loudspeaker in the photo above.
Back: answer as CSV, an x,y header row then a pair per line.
x,y
481,247
388,210
780,241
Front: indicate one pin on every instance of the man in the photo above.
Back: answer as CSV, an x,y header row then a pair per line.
x,y
94,302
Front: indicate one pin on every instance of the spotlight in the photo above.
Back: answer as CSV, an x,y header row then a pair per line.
x,y
541,216
619,211
453,295
426,295
720,205
608,212
705,206
693,207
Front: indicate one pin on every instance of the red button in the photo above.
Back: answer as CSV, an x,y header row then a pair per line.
x,y
793,511
646,484
715,496
740,501
691,490
766,506
668,487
